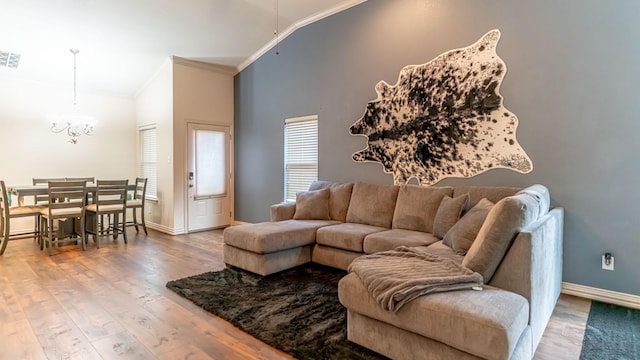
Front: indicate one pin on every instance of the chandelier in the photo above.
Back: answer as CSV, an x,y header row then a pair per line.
x,y
74,124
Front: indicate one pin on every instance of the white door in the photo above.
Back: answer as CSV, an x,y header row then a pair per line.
x,y
208,177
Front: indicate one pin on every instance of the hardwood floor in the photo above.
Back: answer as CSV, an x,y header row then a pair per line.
x,y
112,303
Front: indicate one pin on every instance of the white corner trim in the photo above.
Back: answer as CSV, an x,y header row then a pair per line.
x,y
607,296
295,26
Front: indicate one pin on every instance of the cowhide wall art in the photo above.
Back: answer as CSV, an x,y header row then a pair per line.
x,y
443,119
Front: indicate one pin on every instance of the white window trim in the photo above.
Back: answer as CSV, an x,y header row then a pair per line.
x,y
151,182
289,194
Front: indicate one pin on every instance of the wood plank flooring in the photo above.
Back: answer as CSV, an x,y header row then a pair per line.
x,y
112,303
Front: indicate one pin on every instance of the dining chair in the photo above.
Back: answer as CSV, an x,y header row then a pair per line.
x,y
136,203
88,180
63,220
7,212
109,199
41,200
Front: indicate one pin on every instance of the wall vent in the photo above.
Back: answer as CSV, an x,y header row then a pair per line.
x,y
10,60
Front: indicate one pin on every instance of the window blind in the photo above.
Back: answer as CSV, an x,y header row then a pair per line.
x,y
300,154
148,160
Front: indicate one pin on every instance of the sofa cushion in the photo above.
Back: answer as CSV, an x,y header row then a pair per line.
x,y
449,212
339,197
464,232
391,239
504,221
487,323
440,249
312,205
416,207
268,237
372,204
347,236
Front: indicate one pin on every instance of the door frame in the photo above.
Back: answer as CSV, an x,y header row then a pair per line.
x,y
185,170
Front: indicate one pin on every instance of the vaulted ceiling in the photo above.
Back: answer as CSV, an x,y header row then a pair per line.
x,y
123,43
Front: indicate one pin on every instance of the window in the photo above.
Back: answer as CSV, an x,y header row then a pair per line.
x,y
148,160
300,154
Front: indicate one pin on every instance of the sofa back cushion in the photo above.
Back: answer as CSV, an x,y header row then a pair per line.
x,y
372,204
449,212
339,197
504,221
416,207
464,232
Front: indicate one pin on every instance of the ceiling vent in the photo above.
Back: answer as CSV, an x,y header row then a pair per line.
x,y
9,60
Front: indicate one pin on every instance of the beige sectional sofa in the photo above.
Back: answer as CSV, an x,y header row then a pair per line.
x,y
508,235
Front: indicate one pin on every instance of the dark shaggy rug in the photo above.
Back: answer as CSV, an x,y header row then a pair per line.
x,y
296,311
612,333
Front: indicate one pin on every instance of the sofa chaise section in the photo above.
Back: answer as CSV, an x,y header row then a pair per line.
x,y
268,247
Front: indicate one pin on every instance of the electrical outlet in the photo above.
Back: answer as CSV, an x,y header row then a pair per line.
x,y
607,261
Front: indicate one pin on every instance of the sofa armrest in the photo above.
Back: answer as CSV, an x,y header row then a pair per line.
x,y
283,211
533,268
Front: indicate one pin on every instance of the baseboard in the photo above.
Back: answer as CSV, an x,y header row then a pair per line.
x,y
607,296
165,229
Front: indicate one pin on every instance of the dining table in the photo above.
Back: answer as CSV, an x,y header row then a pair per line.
x,y
22,191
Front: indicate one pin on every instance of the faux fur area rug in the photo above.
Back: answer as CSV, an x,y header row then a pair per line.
x,y
296,311
612,332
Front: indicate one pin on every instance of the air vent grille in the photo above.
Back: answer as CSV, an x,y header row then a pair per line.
x,y
10,60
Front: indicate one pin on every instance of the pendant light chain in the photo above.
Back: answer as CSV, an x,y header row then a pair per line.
x,y
75,91
276,32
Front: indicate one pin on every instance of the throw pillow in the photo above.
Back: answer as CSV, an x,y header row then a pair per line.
x,y
464,232
340,194
416,207
504,221
312,205
448,213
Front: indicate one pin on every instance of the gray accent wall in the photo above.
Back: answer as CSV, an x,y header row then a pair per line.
x,y
572,80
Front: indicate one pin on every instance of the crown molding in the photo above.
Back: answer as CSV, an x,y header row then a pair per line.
x,y
297,25
204,65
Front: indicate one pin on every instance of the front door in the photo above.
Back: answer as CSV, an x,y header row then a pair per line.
x,y
208,177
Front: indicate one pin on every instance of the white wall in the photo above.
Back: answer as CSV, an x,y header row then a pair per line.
x,y
29,149
181,91
154,106
201,93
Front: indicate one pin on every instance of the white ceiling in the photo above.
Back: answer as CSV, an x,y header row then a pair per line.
x,y
123,43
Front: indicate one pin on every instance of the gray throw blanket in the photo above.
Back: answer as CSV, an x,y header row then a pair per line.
x,y
398,276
